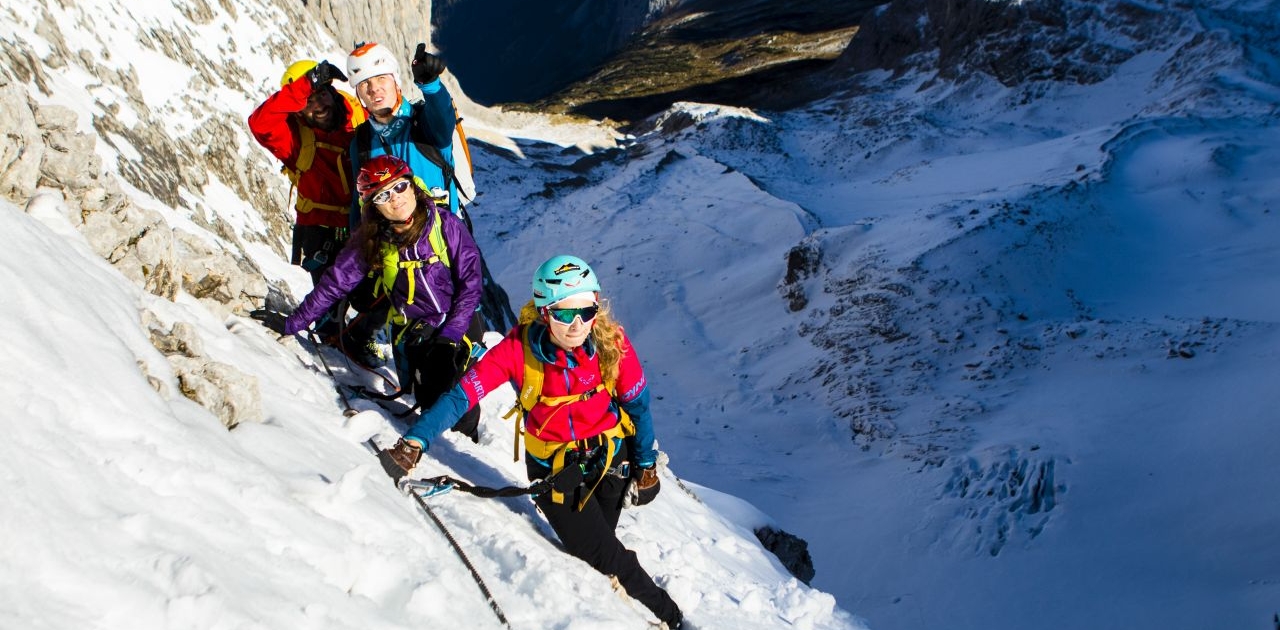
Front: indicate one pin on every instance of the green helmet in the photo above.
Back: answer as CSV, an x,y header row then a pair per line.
x,y
560,277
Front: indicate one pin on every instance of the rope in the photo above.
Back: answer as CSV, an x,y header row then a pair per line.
x,y
426,509
493,604
348,410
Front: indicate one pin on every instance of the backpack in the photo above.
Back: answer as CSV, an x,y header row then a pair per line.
x,y
391,264
364,145
465,169
307,145
531,394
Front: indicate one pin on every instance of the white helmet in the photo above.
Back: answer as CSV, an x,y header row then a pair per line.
x,y
370,60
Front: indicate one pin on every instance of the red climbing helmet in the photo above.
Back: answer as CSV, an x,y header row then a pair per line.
x,y
379,171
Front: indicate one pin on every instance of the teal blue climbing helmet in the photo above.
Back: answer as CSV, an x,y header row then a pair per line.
x,y
560,277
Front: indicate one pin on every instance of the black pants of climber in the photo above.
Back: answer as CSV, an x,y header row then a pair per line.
x,y
433,370
315,247
589,535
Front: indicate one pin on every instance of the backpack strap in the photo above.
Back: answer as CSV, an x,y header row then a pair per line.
x,y
392,264
462,135
307,145
530,391
364,148
554,452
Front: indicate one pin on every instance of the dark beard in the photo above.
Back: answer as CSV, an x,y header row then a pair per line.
x,y
333,124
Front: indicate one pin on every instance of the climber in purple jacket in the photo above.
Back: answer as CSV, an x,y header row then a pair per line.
x,y
427,265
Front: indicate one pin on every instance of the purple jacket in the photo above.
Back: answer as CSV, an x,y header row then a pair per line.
x,y
445,297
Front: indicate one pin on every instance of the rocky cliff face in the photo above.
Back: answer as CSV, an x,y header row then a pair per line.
x,y
1015,42
399,25
637,58
128,129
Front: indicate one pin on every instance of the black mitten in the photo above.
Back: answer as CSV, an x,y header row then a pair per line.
x,y
426,66
272,320
324,73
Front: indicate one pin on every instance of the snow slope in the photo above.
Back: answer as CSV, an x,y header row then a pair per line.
x,y
1031,384
130,507
1040,328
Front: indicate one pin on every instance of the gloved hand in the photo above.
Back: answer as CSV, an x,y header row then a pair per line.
x,y
426,66
324,73
461,353
273,320
644,485
398,460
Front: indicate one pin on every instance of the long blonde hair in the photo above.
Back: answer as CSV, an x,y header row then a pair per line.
x,y
606,333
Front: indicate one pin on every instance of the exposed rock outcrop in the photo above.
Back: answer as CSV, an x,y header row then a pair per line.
x,y
1015,42
791,550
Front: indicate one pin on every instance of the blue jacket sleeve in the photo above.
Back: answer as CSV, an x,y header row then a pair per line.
x,y
435,116
646,454
440,416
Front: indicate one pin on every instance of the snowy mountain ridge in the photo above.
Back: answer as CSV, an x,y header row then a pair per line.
x,y
1001,352
132,505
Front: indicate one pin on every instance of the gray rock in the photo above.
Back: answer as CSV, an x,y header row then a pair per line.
x,y
228,393
790,549
23,148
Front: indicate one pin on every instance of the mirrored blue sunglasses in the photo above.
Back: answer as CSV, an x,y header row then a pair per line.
x,y
567,315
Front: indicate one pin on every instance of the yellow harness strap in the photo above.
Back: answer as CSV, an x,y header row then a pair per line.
x,y
554,452
391,266
306,158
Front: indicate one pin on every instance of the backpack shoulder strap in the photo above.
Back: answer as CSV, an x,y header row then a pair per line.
x,y
434,156
357,109
436,238
530,389
364,142
306,153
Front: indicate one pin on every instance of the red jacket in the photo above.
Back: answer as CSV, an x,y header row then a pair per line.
x,y
564,373
324,192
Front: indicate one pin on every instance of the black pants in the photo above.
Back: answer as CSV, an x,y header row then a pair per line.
x,y
589,536
432,370
373,312
315,248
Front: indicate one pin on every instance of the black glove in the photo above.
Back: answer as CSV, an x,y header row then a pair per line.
x,y
459,353
645,485
426,66
462,356
324,73
273,320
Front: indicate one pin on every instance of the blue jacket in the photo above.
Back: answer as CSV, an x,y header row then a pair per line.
x,y
434,117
